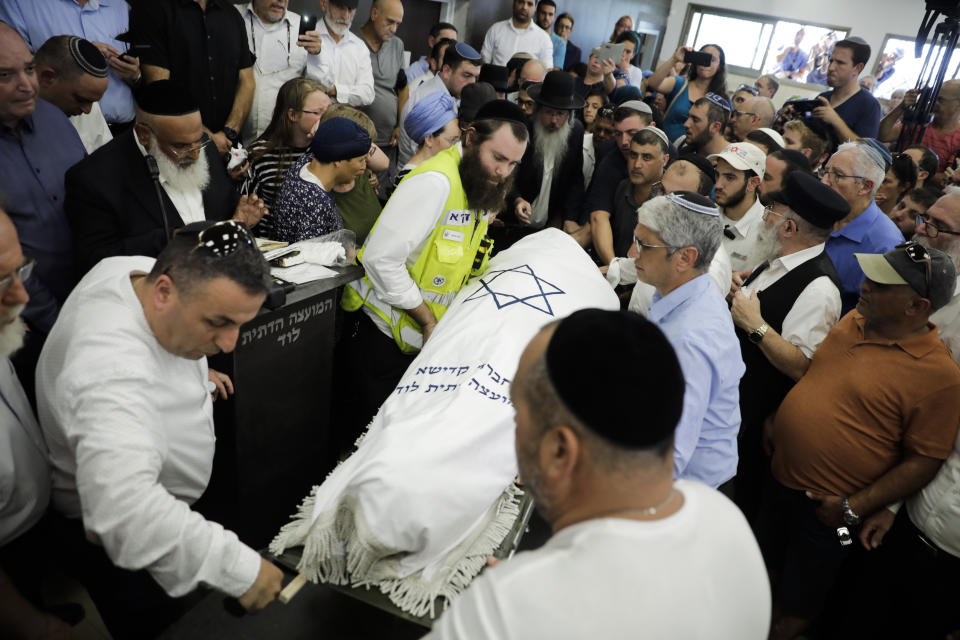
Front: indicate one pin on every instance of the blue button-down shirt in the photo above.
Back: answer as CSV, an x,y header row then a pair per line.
x,y
32,168
97,21
870,232
697,322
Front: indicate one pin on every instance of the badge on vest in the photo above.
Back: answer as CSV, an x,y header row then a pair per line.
x,y
453,236
457,217
438,281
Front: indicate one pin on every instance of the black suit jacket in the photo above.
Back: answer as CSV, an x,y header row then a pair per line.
x,y
112,204
566,190
572,57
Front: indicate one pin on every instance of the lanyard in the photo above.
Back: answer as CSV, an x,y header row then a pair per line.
x,y
253,37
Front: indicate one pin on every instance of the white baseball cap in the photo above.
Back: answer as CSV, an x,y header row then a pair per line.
x,y
743,156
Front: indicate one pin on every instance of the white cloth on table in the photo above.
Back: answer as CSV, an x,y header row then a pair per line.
x,y
24,472
130,431
344,65
695,574
815,310
503,40
92,128
429,492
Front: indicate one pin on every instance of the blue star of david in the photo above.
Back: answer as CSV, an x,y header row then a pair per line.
x,y
538,301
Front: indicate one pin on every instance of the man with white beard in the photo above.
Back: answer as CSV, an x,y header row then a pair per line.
x,y
783,311
344,60
113,203
549,186
24,472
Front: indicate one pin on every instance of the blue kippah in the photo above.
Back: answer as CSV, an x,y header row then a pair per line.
x,y
340,139
467,52
429,115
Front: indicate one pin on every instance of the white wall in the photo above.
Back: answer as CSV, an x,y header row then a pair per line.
x,y
872,20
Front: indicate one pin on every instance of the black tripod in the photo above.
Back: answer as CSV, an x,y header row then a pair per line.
x,y
934,70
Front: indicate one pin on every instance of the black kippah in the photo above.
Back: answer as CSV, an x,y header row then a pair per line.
x,y
618,374
166,98
502,110
701,163
87,57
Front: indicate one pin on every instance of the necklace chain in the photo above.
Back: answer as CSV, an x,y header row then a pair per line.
x,y
648,511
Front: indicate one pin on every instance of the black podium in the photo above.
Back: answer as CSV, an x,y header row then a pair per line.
x,y
274,434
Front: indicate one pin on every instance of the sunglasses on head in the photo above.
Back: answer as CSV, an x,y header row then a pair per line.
x,y
752,90
223,238
919,255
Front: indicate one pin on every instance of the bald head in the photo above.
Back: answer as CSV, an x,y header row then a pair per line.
x,y
532,70
385,17
15,296
18,94
764,108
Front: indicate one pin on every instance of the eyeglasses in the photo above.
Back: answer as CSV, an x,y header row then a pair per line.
x,y
768,211
313,113
22,273
641,246
737,114
748,88
932,230
223,238
832,175
183,152
919,254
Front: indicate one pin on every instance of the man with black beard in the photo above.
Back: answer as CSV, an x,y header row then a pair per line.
x,y
428,241
783,312
112,202
549,186
705,125
740,169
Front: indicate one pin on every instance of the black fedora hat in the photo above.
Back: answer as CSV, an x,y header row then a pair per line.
x,y
557,91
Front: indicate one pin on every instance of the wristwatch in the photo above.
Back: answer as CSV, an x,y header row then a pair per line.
x,y
850,517
756,336
231,134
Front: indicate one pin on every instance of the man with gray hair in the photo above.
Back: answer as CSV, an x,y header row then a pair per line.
x,y
549,186
72,74
675,240
125,405
856,171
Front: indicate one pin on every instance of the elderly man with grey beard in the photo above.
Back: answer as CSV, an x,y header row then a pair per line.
x,y
549,186
116,207
783,312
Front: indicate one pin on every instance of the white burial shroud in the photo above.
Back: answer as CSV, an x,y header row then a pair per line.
x,y
429,492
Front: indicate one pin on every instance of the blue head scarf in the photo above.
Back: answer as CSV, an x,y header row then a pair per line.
x,y
429,115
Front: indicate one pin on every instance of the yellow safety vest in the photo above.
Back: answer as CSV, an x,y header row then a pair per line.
x,y
457,248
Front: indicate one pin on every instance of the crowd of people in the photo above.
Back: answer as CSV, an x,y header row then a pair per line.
x,y
779,270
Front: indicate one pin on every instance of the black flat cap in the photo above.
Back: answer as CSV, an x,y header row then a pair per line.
x,y
496,75
502,110
700,163
812,200
166,98
637,408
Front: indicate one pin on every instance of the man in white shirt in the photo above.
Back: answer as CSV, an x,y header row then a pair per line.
x,y
461,66
740,170
124,400
24,471
445,202
515,35
72,74
438,32
625,533
281,55
344,61
783,312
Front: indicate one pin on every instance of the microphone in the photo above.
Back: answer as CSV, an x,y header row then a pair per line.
x,y
154,172
727,233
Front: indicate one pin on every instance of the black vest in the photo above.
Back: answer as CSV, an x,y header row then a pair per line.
x,y
763,387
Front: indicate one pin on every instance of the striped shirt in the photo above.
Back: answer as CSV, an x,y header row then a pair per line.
x,y
268,166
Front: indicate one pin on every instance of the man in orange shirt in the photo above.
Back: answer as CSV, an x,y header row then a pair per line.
x,y
850,437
